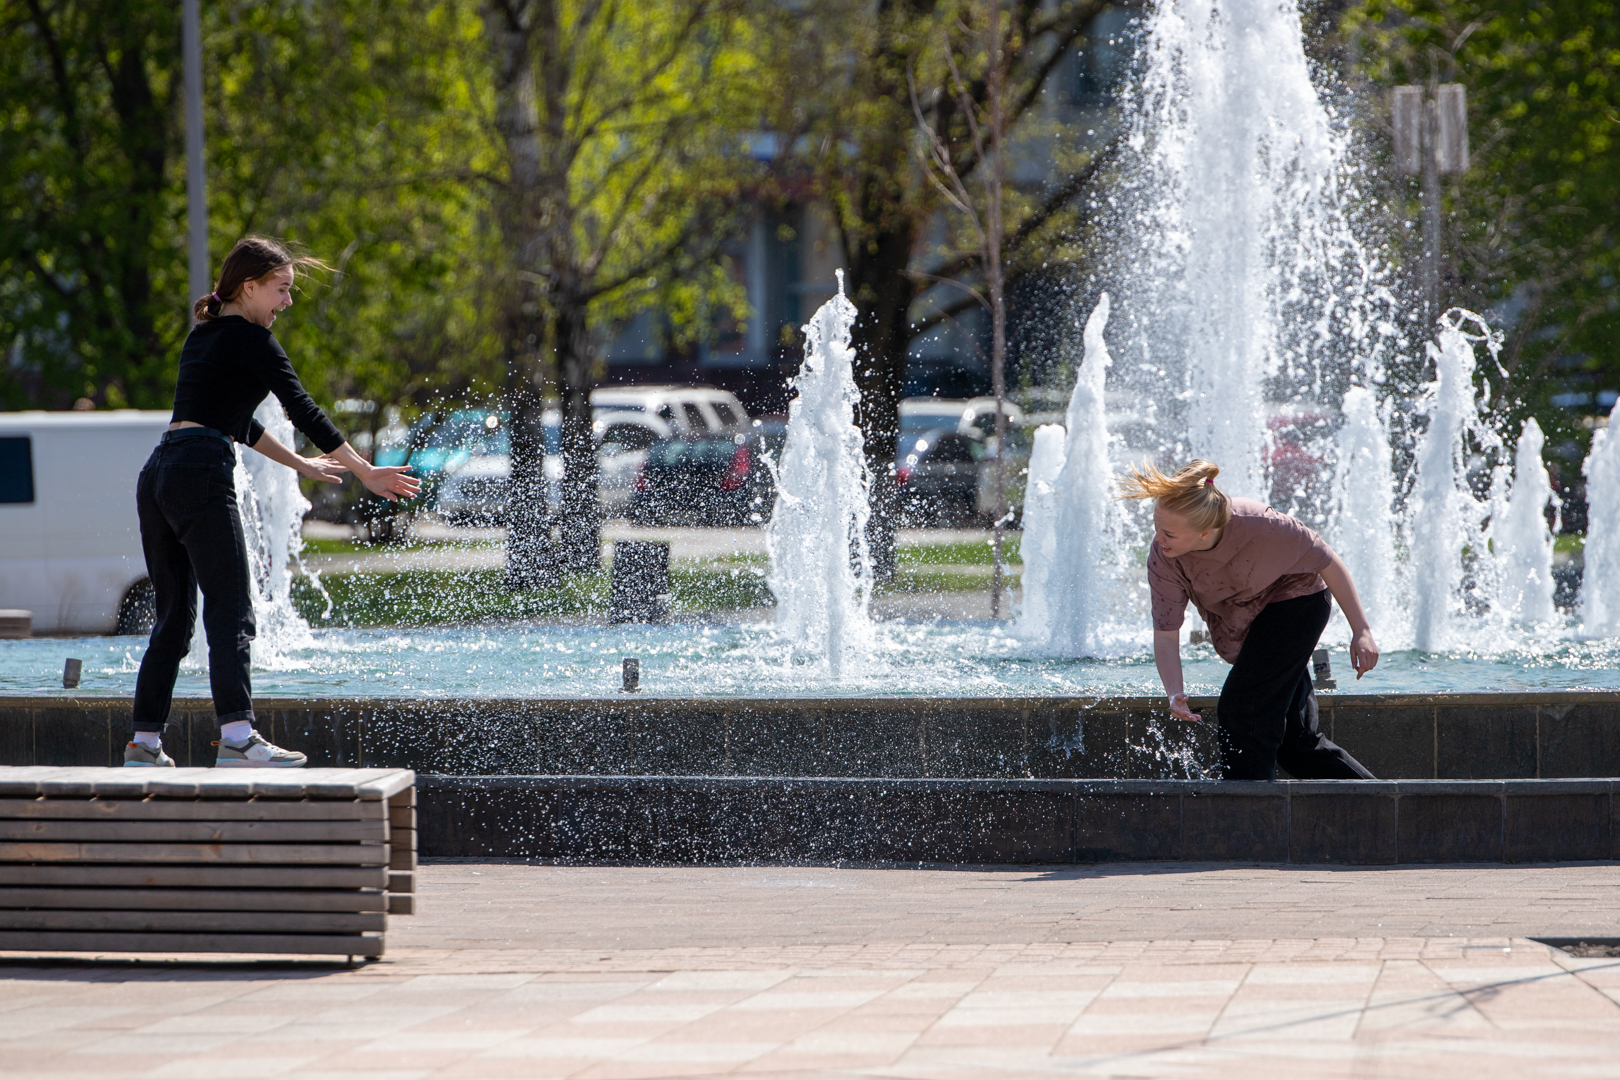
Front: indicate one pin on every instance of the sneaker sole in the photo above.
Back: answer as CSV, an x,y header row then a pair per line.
x,y
143,765
228,764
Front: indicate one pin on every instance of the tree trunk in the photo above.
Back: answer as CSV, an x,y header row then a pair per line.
x,y
581,519
529,559
883,294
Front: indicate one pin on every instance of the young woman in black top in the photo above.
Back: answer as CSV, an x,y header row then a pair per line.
x,y
191,529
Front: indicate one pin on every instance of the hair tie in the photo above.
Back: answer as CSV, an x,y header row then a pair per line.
x,y
1204,480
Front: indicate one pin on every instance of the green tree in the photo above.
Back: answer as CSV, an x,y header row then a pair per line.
x,y
849,76
91,274
1531,225
621,125
358,128
361,129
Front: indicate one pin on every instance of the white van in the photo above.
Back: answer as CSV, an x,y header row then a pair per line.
x,y
70,543
690,410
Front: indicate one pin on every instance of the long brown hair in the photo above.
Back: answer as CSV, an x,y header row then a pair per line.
x,y
1190,492
252,259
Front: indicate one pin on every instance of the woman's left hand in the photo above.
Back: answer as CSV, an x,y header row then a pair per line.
x,y
1363,652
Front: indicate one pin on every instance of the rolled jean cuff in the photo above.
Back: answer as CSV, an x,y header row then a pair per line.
x,y
245,714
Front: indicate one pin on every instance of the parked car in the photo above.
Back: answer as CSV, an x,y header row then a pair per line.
x,y
711,479
689,411
476,489
70,543
936,476
941,487
973,417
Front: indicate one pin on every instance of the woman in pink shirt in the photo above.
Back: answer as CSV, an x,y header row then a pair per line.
x,y
1261,581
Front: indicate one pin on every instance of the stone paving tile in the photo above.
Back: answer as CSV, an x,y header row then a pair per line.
x,y
884,973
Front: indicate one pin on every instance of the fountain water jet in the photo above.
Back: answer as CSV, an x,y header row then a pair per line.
x,y
1522,541
820,569
1600,583
1365,526
272,509
1240,275
1072,523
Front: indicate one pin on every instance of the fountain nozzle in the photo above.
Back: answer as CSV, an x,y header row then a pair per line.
x,y
632,675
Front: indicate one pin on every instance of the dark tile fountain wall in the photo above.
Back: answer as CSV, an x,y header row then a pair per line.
x,y
775,820
1451,737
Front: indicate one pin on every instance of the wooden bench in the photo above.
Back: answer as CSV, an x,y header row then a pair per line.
x,y
205,860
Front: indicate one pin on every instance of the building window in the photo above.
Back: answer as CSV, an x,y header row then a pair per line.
x,y
16,469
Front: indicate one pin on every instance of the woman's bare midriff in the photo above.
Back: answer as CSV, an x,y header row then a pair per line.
x,y
178,424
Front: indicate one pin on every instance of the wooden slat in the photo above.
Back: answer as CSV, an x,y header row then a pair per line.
x,y
401,859
36,942
195,899
400,817
191,783
198,877
401,881
197,832
187,810
401,904
199,922
402,838
288,854
25,779
405,797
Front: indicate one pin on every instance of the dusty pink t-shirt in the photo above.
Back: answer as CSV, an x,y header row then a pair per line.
x,y
1262,556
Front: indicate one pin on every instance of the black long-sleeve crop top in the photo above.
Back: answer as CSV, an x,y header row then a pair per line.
x,y
227,367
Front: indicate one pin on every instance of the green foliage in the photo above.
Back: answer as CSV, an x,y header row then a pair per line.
x,y
355,127
1532,224
359,129
92,268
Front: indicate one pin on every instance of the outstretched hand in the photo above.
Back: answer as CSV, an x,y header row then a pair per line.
x,y
1182,711
1363,652
324,468
392,482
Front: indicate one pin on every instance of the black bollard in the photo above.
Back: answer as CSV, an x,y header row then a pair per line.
x,y
640,583
632,675
1322,668
70,673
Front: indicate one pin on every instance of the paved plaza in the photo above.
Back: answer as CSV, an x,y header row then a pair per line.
x,y
513,970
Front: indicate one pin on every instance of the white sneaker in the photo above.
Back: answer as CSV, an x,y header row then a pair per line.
x,y
256,753
137,755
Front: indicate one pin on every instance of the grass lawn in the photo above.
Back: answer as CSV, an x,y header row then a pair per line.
x,y
429,597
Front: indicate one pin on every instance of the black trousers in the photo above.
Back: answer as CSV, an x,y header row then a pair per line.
x,y
191,532
1267,711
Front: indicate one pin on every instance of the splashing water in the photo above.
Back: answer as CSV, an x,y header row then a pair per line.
x,y
1244,285
1072,523
1446,519
1522,541
1365,529
1256,330
1600,588
820,569
272,509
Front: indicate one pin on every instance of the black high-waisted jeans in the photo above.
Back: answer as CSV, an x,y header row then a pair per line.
x,y
191,532
1267,711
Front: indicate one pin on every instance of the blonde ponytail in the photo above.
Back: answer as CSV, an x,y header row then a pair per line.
x,y
1190,493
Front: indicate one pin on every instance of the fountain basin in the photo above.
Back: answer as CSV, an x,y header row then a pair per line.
x,y
1546,734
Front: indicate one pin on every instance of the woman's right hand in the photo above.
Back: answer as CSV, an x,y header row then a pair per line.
x,y
1182,711
392,482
